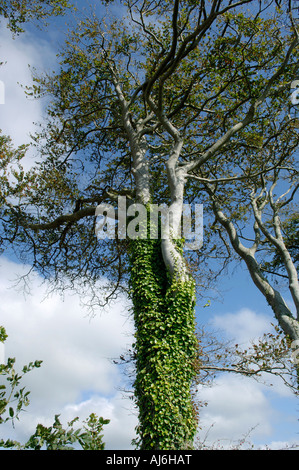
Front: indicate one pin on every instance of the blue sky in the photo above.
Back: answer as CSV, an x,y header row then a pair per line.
x,y
78,375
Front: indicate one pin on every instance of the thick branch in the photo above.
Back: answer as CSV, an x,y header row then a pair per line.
x,y
282,312
228,179
138,144
279,244
64,219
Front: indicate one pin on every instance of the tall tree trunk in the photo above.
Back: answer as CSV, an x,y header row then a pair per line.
x,y
163,295
166,350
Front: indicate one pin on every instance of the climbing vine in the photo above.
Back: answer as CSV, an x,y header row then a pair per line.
x,y
166,350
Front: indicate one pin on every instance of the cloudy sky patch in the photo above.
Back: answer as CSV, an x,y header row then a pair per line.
x,y
77,353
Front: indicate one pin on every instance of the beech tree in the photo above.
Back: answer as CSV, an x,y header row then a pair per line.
x,y
148,107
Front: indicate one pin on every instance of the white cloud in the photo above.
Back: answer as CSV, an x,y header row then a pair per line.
x,y
242,326
77,374
236,406
239,405
281,445
18,113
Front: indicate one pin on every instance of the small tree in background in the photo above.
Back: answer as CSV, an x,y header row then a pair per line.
x,y
13,399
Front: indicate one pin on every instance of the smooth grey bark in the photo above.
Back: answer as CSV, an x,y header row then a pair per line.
x,y
287,321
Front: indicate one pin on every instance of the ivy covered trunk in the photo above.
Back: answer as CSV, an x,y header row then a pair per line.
x,y
166,350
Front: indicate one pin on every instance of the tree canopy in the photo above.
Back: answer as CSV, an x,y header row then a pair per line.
x,y
210,84
19,12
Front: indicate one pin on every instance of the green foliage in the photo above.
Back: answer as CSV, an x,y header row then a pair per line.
x,y
3,335
22,11
290,228
56,437
13,398
166,350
